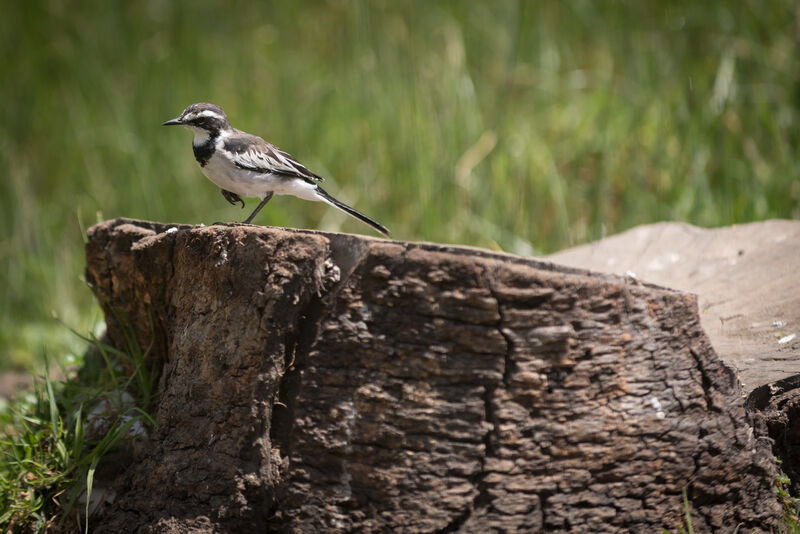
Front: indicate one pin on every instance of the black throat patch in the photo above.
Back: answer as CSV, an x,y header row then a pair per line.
x,y
203,153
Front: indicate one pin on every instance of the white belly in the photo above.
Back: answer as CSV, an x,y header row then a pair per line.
x,y
255,184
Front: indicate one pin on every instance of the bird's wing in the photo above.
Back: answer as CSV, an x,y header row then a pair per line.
x,y
254,154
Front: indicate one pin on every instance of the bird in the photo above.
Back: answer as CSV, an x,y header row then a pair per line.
x,y
244,165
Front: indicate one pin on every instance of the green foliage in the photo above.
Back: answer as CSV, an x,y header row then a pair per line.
x,y
50,445
525,126
791,505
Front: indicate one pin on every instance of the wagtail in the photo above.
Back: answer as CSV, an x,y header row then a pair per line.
x,y
246,165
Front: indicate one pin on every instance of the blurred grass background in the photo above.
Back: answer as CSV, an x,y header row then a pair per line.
x,y
524,126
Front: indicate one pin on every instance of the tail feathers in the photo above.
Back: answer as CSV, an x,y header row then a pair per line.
x,y
352,212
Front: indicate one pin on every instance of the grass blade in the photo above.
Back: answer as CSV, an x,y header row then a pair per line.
x,y
89,481
688,513
78,432
51,397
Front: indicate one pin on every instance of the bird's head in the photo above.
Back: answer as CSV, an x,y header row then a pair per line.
x,y
203,119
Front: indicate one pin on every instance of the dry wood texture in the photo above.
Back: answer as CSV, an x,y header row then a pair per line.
x,y
314,382
745,277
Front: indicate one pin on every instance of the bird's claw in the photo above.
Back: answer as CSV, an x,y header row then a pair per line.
x,y
233,198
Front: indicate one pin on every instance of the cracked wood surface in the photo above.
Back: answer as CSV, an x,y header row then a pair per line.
x,y
314,382
745,277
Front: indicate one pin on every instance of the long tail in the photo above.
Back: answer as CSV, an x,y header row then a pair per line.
x,y
350,211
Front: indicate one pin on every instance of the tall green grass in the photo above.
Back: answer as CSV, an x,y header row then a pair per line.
x,y
525,126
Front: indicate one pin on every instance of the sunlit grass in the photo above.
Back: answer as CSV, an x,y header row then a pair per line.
x,y
516,125
53,439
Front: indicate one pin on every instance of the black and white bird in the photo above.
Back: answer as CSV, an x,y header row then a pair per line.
x,y
246,165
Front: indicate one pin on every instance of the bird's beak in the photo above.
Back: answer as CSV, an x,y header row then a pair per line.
x,y
172,122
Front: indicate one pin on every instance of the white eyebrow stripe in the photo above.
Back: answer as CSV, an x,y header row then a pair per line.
x,y
208,113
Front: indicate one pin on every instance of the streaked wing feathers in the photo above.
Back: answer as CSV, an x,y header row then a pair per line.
x,y
254,154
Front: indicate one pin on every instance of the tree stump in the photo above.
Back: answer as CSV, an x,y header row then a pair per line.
x,y
316,382
745,277
775,409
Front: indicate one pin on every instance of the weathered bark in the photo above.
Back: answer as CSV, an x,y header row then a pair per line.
x,y
316,382
745,277
775,409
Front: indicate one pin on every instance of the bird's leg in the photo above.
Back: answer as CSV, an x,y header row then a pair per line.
x,y
258,208
233,198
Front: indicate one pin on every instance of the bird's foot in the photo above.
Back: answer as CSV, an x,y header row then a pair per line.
x,y
233,198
